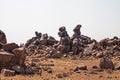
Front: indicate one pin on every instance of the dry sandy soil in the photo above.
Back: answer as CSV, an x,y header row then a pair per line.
x,y
63,69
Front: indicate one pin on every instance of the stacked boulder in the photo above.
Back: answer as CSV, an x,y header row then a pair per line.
x,y
64,44
41,43
78,44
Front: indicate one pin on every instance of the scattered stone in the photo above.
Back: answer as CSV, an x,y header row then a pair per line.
x,y
99,54
46,68
62,75
49,70
59,75
80,67
117,66
95,67
7,72
46,64
29,70
35,60
39,72
106,62
18,69
56,55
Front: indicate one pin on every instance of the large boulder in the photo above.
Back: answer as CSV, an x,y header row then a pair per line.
x,y
3,37
20,54
7,72
106,62
10,46
6,58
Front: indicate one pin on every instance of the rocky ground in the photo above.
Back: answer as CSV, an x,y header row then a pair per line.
x,y
71,58
65,69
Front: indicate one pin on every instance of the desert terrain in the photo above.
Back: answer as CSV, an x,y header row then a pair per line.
x,y
43,57
63,69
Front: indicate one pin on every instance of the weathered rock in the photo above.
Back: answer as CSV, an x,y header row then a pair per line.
x,y
80,67
29,70
20,53
6,58
47,65
117,66
3,37
99,54
94,67
77,32
10,46
35,60
51,40
44,38
56,55
49,70
38,34
18,69
106,63
75,46
7,72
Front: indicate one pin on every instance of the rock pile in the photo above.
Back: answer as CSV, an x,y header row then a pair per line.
x,y
39,44
11,54
53,48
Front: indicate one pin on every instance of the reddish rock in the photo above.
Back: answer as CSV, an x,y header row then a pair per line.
x,y
57,55
106,63
29,70
6,58
80,67
20,53
18,69
7,72
10,46
117,66
99,54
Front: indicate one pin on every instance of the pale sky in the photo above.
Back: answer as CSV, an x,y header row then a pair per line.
x,y
19,19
